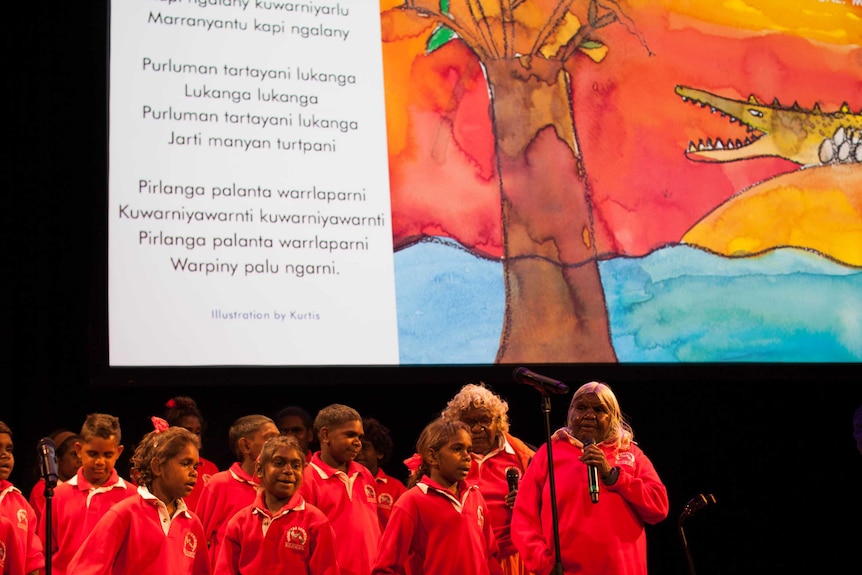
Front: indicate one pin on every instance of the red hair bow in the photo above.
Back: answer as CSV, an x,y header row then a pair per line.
x,y
159,424
413,462
171,403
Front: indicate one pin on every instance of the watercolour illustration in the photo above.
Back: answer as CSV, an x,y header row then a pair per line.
x,y
601,181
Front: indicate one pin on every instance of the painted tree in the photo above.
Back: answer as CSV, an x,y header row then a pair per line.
x,y
555,306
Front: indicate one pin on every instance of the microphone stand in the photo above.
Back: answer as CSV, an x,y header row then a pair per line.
x,y
698,502
546,409
682,519
50,483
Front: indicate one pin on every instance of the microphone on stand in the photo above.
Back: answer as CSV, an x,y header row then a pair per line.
x,y
592,476
540,382
48,462
48,468
512,477
698,502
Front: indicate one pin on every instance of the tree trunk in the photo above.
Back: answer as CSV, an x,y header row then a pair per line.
x,y
555,305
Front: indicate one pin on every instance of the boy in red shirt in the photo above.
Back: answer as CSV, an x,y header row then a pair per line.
x,y
79,503
343,489
229,491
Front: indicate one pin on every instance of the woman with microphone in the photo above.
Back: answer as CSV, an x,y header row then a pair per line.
x,y
606,490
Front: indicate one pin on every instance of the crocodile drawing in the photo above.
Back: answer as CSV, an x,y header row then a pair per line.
x,y
807,137
820,203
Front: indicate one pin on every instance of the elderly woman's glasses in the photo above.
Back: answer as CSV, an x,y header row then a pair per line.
x,y
483,422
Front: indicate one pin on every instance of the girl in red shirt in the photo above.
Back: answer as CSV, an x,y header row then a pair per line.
x,y
152,533
280,533
440,511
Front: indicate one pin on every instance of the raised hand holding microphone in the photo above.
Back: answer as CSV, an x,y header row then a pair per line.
x,y
513,476
592,473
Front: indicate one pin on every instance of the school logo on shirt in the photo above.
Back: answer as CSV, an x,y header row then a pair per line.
x,y
480,516
21,515
626,458
370,494
385,501
190,545
296,538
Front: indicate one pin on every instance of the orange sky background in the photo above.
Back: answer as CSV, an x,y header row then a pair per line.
x,y
632,129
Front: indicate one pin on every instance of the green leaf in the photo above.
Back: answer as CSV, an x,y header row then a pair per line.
x,y
439,37
591,44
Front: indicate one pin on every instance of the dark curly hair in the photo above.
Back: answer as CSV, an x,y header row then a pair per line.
x,y
162,445
182,406
378,435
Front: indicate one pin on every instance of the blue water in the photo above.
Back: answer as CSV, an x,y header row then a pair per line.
x,y
678,304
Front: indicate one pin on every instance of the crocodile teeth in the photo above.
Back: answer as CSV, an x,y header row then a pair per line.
x,y
708,146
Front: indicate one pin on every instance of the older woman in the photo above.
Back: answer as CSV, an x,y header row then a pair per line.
x,y
598,535
495,452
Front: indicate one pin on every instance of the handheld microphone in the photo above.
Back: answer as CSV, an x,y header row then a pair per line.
x,y
512,477
540,382
592,476
48,461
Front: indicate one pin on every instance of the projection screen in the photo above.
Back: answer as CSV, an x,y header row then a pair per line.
x,y
357,183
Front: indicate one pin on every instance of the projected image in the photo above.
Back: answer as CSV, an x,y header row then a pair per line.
x,y
452,182
625,182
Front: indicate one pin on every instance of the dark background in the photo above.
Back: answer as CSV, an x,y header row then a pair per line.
x,y
772,442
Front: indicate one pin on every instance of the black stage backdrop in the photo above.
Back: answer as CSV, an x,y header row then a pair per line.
x,y
772,443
